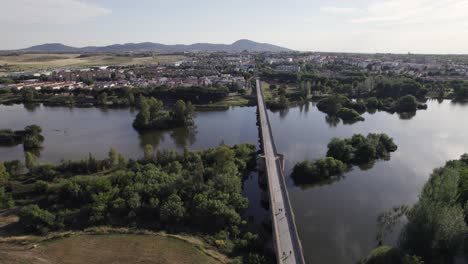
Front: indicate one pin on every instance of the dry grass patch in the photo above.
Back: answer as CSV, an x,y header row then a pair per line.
x,y
104,249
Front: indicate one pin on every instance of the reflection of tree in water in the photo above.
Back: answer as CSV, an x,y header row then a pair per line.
x,y
367,166
283,113
307,107
372,110
350,122
31,107
407,115
153,138
307,185
304,108
332,121
184,136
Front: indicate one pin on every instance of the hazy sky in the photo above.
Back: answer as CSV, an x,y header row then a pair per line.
x,y
418,26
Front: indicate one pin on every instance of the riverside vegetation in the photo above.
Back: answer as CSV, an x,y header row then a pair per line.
x,y
193,192
342,154
436,227
204,97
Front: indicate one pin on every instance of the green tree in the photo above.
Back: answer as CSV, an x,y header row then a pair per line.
x,y
172,210
310,172
349,115
6,200
340,150
180,112
113,157
4,175
35,219
103,98
131,99
28,94
407,103
33,138
436,224
149,152
143,117
31,160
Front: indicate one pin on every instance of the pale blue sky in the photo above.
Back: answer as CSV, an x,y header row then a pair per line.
x,y
419,26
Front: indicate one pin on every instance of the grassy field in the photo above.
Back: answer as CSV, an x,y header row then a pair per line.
x,y
24,62
266,90
101,249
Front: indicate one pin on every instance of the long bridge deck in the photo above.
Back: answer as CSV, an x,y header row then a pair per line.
x,y
288,247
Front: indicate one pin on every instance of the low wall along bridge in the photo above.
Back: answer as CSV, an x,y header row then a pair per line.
x,y
288,247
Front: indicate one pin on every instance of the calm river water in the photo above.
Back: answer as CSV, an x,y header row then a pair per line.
x,y
336,222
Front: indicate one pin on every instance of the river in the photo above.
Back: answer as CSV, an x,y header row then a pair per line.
x,y
337,221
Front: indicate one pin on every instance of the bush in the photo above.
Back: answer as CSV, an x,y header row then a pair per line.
x,y
383,255
349,115
310,172
359,149
35,219
406,103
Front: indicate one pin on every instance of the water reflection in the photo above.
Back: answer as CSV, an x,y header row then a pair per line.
x,y
309,185
371,110
31,107
336,220
184,136
407,115
332,121
153,138
284,113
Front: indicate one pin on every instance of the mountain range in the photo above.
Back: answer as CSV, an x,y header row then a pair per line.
x,y
237,46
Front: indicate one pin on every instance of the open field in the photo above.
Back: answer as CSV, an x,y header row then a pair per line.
x,y
23,62
100,249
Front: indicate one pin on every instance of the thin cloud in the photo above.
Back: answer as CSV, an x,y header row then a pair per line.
x,y
50,12
415,11
339,10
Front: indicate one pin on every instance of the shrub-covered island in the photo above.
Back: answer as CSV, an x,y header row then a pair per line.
x,y
342,107
152,115
350,111
342,154
193,192
30,137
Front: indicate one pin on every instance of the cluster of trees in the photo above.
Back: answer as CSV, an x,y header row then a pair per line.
x,y
278,104
152,115
30,137
398,87
350,111
436,227
279,99
342,154
360,149
342,107
306,172
196,192
460,90
6,200
119,96
404,104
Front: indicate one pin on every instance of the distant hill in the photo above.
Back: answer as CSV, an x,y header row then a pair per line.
x,y
237,46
